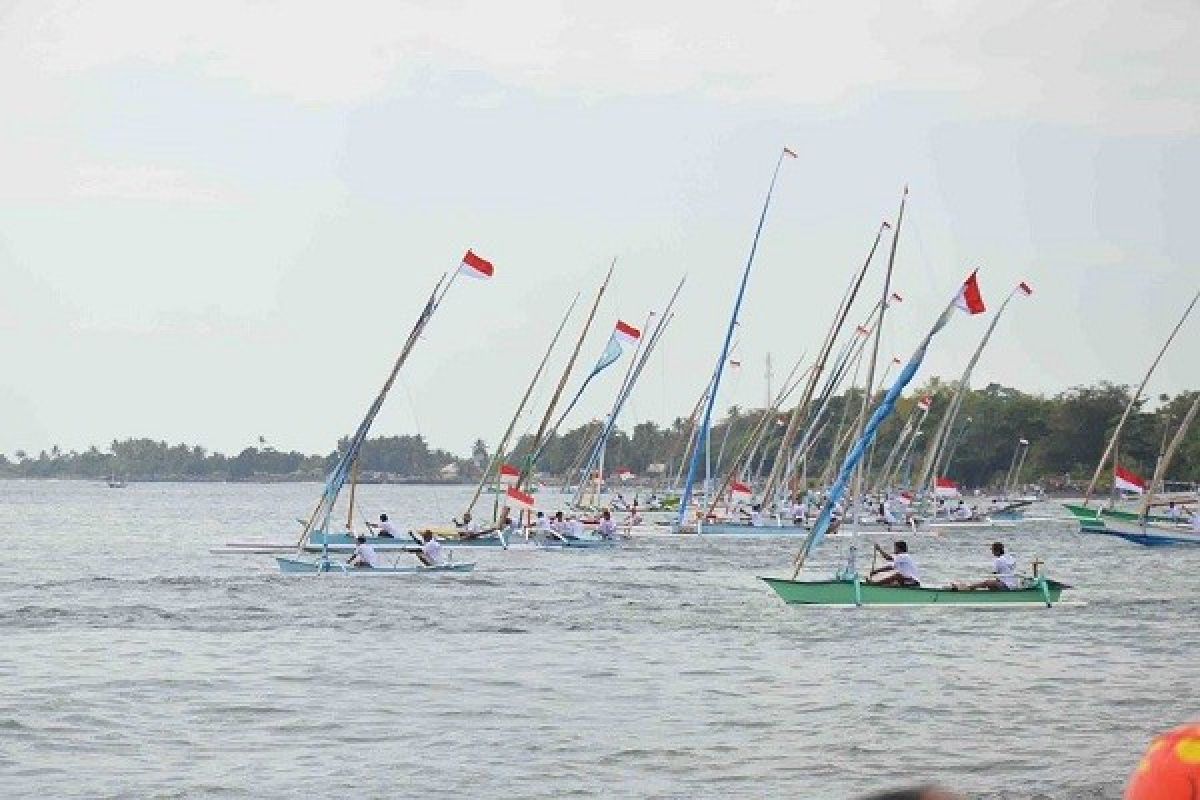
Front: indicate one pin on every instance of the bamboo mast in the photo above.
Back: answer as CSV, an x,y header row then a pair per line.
x,y
498,456
839,319
536,445
702,438
1163,463
1112,442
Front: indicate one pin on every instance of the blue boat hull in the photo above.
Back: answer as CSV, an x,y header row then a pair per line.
x,y
1144,537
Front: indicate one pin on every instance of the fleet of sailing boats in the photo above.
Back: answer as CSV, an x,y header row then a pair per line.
x,y
770,485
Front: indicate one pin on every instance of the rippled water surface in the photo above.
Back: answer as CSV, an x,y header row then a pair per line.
x,y
135,663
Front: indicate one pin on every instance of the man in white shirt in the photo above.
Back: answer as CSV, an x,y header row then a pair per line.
x,y
470,528
756,517
1004,567
1196,520
1174,513
364,556
574,527
431,553
900,569
385,528
608,528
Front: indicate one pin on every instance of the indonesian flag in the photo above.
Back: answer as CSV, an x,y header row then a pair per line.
x,y
924,403
944,487
787,151
519,499
734,363
905,497
625,473
970,299
509,474
475,267
1025,288
740,491
896,298
896,360
626,333
863,330
1127,481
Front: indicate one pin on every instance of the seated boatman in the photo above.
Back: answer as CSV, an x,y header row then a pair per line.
x,y
607,528
384,529
470,528
900,569
364,555
1004,567
431,553
756,517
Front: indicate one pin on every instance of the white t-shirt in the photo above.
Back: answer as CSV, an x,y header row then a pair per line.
x,y
388,528
756,519
433,551
1196,522
903,564
575,528
608,528
366,554
1005,567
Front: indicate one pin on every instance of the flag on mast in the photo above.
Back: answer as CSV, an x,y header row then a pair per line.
x,y
925,403
475,267
1025,288
1128,481
519,499
740,491
944,487
970,299
509,475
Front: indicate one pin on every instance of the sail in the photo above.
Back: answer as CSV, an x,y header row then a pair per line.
x,y
870,430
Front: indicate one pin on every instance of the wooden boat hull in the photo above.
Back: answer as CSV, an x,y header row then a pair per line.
x,y
848,593
294,566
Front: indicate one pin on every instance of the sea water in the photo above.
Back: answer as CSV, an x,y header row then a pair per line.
x,y
134,663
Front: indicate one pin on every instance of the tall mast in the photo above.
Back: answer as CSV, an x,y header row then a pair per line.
x,y
702,438
869,390
527,470
839,318
940,441
498,456
1112,442
1164,463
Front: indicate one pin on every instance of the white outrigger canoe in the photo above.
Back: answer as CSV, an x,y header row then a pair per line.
x,y
295,566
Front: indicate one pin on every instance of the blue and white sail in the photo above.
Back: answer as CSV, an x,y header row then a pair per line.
x,y
882,412
623,335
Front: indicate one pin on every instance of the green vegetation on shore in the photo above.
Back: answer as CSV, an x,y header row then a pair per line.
x,y
1067,433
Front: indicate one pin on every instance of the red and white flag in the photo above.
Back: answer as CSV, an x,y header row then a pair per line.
x,y
969,298
625,473
509,475
944,487
863,330
924,403
896,360
740,491
905,497
1025,288
626,333
734,363
789,152
896,298
1127,481
519,499
475,267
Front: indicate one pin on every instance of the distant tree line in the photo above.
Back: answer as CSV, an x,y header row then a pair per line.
x,y
1067,433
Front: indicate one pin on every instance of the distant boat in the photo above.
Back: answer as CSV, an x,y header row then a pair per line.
x,y
116,483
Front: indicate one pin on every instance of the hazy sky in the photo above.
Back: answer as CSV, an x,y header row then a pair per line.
x,y
219,220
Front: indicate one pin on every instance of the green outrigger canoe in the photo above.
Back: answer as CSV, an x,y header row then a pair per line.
x,y
855,592
1090,514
